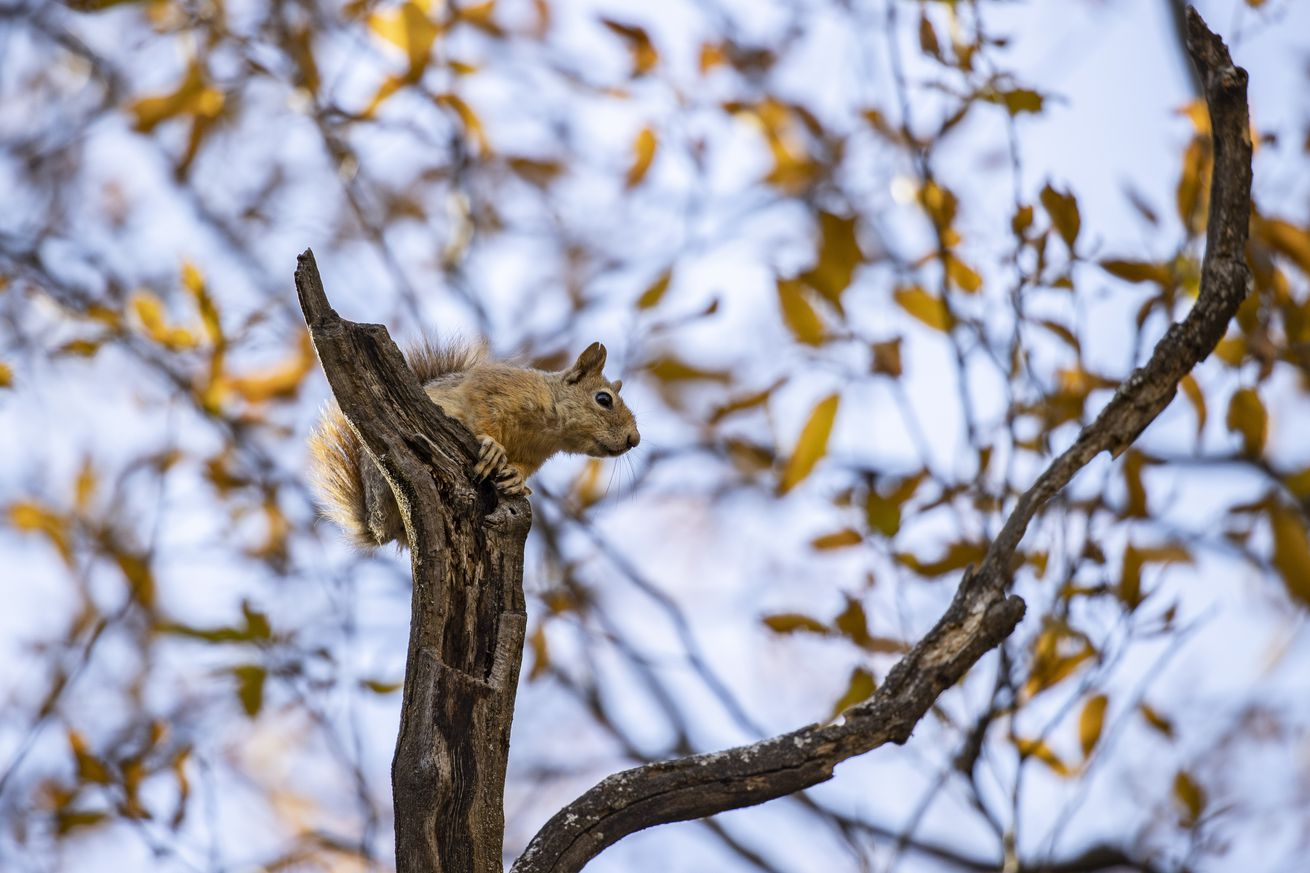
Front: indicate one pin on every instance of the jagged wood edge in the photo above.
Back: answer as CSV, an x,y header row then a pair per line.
x,y
981,614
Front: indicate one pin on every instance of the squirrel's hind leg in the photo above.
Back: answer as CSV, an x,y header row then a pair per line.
x,y
493,463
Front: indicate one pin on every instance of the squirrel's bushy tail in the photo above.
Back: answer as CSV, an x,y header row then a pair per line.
x,y
337,458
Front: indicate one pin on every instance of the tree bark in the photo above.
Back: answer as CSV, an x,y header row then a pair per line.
x,y
468,619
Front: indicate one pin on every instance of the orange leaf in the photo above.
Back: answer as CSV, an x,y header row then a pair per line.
x,y
837,540
643,153
1090,723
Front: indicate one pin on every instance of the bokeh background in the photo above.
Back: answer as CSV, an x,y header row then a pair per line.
x,y
864,266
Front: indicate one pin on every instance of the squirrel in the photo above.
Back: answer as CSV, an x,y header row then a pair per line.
x,y
521,417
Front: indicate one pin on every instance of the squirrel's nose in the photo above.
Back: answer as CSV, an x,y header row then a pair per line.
x,y
633,439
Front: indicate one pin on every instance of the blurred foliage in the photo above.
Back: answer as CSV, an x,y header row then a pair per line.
x,y
854,324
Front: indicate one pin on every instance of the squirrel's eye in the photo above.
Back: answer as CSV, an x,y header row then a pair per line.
x,y
604,399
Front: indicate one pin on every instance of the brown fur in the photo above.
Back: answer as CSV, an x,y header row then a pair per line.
x,y
533,414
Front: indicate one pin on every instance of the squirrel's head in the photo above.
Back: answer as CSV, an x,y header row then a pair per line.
x,y
599,423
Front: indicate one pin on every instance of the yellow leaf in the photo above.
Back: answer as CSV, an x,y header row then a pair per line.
x,y
812,444
82,348
1041,751
482,16
670,369
791,622
472,124
957,556
644,56
926,307
1057,653
193,97
1190,796
194,282
89,767
140,578
1063,209
837,540
588,488
540,653
1298,483
390,85
1138,271
882,513
1287,239
1194,186
278,382
1291,556
84,488
1247,416
962,276
1137,557
651,297
149,310
798,314
1192,391
409,28
838,256
859,689
250,687
535,171
1021,220
1019,100
6,375
1231,350
32,517
740,404
928,37
711,55
643,153
941,204
1090,723
1156,720
1134,461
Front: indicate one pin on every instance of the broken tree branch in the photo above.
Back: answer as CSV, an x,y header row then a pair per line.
x,y
982,613
468,620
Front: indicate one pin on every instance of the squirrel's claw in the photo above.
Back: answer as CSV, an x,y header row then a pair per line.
x,y
493,463
492,459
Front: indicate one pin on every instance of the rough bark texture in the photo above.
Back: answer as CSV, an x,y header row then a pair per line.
x,y
982,613
468,620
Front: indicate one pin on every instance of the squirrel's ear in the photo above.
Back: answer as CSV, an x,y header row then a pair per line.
x,y
592,360
618,385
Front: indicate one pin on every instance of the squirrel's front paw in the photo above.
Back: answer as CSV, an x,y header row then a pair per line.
x,y
494,464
